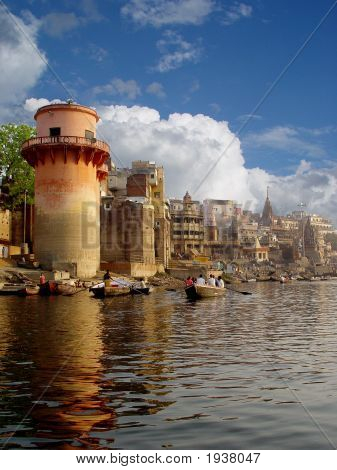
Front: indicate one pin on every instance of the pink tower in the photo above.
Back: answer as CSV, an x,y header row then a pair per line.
x,y
69,164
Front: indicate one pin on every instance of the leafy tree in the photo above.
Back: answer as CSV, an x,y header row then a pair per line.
x,y
17,176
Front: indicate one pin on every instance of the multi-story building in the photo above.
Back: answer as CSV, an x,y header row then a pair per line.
x,y
156,187
136,210
187,225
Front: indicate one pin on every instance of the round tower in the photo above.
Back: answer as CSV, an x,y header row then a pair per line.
x,y
69,165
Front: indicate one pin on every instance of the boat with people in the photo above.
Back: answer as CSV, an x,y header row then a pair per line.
x,y
101,290
196,291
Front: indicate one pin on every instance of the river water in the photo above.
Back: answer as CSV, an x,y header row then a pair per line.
x,y
153,372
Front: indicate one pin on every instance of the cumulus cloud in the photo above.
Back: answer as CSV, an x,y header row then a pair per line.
x,y
159,13
288,139
236,12
175,52
117,86
33,104
189,146
22,64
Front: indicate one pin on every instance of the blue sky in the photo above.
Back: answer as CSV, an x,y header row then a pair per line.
x,y
201,57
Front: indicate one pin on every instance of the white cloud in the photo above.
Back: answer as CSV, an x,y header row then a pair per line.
x,y
33,104
159,13
284,138
188,146
22,66
236,12
117,86
156,89
175,52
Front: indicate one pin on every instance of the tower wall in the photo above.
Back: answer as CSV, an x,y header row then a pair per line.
x,y
73,120
68,170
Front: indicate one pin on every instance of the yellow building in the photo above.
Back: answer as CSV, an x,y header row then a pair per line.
x,y
187,226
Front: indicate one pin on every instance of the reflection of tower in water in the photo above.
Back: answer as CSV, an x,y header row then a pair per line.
x,y
70,358
65,348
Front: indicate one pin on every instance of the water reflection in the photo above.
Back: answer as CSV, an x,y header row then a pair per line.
x,y
158,371
60,384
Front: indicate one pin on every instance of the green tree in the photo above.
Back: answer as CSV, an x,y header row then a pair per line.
x,y
17,175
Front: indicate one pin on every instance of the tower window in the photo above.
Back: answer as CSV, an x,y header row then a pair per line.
x,y
54,131
89,134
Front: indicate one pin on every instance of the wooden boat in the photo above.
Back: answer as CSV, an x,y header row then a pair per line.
x,y
68,289
140,290
11,288
48,288
30,290
101,291
203,292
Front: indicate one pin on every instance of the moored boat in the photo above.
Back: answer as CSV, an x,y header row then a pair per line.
x,y
29,290
203,292
48,288
11,288
68,289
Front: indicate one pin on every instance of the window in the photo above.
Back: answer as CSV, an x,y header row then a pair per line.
x,y
54,131
152,176
157,195
89,135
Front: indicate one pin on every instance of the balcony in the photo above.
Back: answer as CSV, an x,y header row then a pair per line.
x,y
65,140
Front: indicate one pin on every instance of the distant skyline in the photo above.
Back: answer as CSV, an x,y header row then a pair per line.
x,y
179,82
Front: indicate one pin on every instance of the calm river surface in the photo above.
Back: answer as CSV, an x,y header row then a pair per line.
x,y
242,372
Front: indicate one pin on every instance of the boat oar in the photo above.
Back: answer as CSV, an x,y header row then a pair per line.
x,y
243,292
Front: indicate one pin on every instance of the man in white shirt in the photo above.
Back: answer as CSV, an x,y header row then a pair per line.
x,y
220,282
211,281
201,281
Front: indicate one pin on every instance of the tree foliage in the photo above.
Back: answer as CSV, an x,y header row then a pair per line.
x,y
17,176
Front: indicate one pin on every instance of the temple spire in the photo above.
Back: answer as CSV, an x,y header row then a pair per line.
x,y
267,214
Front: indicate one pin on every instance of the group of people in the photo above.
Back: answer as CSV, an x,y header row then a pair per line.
x,y
201,281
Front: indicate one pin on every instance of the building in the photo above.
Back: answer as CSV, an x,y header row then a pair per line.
x,y
69,165
187,225
267,213
127,236
156,194
135,221
256,252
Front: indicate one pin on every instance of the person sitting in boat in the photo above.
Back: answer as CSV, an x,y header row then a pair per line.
x,y
211,281
201,281
143,283
107,278
189,282
42,279
220,282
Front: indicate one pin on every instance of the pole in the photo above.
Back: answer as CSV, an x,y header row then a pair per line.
x,y
24,217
